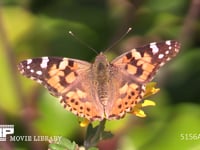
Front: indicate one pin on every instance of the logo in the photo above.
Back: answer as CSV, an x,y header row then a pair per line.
x,y
6,130
9,130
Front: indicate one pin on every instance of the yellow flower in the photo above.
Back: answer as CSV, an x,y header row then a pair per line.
x,y
150,90
137,108
84,122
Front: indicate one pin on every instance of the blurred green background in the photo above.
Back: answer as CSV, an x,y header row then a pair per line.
x,y
35,28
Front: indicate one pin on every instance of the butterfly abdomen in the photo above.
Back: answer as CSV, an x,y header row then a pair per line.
x,y
101,74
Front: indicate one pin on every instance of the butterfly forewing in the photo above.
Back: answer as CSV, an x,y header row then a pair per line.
x,y
66,79
142,63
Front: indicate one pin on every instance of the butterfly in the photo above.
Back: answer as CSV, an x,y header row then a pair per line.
x,y
103,89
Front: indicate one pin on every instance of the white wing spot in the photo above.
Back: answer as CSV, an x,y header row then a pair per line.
x,y
162,64
170,47
176,50
39,81
160,56
32,70
143,88
29,61
32,78
22,71
166,52
154,48
168,42
28,67
45,60
39,72
60,98
168,59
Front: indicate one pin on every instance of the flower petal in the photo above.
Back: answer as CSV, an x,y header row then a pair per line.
x,y
148,103
84,122
150,89
139,113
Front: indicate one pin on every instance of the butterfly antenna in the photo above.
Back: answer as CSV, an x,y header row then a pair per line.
x,y
129,29
82,42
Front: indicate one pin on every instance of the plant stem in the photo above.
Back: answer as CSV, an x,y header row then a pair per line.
x,y
94,135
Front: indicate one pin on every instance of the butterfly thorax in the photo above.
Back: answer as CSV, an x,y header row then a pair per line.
x,y
101,74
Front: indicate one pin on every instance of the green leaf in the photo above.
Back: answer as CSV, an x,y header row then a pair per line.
x,y
63,144
56,147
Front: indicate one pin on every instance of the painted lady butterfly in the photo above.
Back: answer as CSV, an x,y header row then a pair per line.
x,y
102,89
